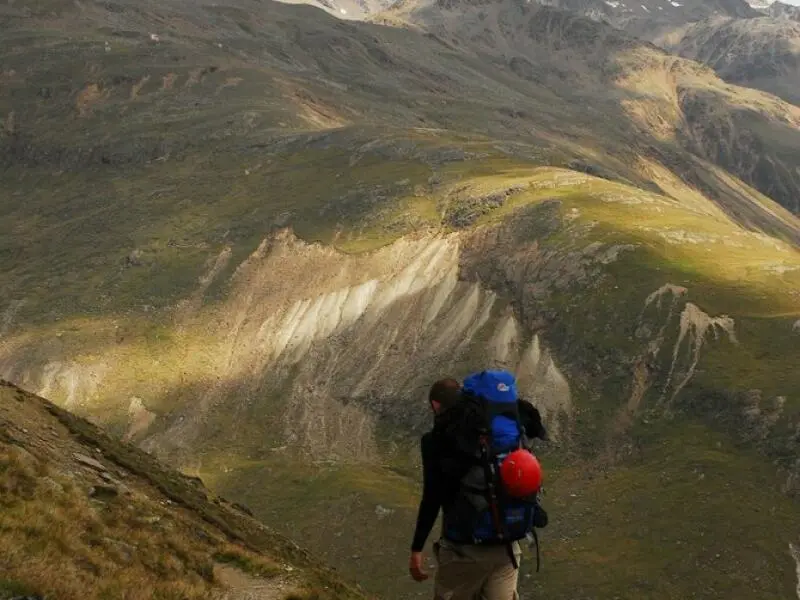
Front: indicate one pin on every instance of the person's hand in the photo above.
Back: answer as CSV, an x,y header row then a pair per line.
x,y
415,567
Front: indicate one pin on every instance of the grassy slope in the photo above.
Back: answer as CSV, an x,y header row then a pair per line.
x,y
179,215
164,536
685,517
685,480
298,501
66,245
633,492
689,514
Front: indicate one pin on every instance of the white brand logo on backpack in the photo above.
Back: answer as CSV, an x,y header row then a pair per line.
x,y
502,387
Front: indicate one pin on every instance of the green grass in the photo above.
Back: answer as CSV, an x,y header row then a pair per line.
x,y
651,524
299,180
361,207
687,507
11,589
767,345
180,214
339,510
212,203
600,321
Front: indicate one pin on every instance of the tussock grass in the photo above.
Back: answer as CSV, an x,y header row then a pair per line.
x,y
57,542
258,566
159,536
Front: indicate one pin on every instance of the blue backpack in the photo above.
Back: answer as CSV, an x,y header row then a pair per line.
x,y
477,435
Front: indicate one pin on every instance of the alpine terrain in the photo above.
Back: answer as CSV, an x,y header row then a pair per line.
x,y
762,53
246,236
87,517
781,9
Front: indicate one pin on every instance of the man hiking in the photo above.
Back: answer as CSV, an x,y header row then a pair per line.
x,y
474,561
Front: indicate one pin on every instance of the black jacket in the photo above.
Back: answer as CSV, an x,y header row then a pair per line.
x,y
438,490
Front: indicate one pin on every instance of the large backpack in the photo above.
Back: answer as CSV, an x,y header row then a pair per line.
x,y
473,438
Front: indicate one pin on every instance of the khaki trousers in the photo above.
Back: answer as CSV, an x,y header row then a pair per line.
x,y
467,572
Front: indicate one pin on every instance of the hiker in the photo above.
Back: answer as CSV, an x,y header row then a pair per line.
x,y
472,565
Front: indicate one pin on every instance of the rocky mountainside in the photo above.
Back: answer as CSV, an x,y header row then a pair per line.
x,y
247,236
784,11
761,53
644,16
674,105
750,45
84,516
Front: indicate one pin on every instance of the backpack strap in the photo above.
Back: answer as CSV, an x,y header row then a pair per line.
x,y
496,493
492,492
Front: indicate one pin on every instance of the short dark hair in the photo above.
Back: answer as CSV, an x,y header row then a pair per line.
x,y
446,392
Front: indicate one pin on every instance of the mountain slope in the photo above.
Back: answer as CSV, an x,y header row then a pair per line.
x,y
248,236
283,378
761,53
272,75
784,11
674,105
642,16
87,517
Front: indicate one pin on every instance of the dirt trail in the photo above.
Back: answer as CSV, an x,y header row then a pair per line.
x,y
242,586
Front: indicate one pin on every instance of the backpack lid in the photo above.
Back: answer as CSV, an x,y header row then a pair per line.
x,y
496,386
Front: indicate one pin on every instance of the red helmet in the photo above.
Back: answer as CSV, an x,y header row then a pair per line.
x,y
521,473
